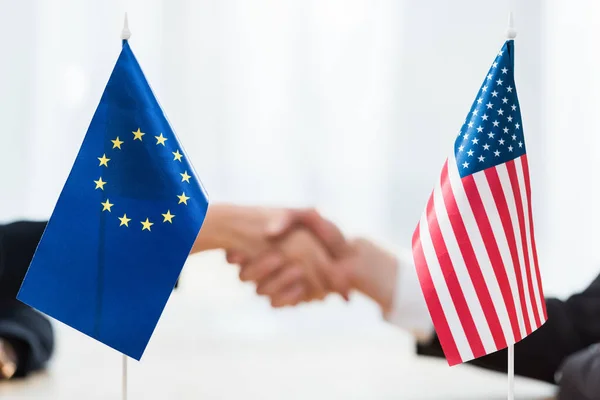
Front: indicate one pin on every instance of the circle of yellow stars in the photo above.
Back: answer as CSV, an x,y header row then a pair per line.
x,y
107,205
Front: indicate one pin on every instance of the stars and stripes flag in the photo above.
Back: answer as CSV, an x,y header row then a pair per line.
x,y
474,247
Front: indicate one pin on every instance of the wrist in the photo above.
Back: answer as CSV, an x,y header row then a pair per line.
x,y
232,227
8,360
215,232
375,275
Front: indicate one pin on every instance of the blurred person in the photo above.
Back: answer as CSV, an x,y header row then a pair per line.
x,y
391,281
27,337
578,376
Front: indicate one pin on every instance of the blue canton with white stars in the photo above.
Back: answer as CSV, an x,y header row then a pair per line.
x,y
493,131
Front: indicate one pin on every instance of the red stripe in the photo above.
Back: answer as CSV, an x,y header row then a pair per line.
x,y
433,302
468,255
512,173
452,282
500,199
493,251
533,246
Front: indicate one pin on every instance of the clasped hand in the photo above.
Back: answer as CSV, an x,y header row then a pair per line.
x,y
296,255
300,260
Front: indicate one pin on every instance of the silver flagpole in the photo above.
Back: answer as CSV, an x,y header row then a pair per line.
x,y
511,33
124,379
125,35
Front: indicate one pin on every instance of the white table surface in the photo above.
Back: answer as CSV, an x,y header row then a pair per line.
x,y
218,340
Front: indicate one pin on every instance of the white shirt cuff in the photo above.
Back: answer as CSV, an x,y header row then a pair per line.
x,y
409,310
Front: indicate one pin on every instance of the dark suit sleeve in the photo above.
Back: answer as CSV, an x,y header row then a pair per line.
x,y
28,331
18,242
572,325
579,375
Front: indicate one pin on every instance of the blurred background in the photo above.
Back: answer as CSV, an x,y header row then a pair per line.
x,y
350,106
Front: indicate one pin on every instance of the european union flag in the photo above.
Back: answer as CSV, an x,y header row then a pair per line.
x,y
124,223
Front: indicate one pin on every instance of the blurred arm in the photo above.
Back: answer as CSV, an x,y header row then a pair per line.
x,y
18,242
25,330
409,310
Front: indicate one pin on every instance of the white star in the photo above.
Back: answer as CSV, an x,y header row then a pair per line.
x,y
465,164
504,100
501,141
475,112
484,117
486,146
509,118
517,125
481,158
479,100
520,144
494,65
509,89
479,129
466,136
505,130
510,148
461,147
514,107
489,76
501,52
499,82
489,105
470,153
484,88
470,124
500,112
514,137
504,70
495,123
475,141
491,135
494,94
497,153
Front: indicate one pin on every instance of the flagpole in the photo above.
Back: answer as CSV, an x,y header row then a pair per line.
x,y
124,378
511,33
511,372
125,35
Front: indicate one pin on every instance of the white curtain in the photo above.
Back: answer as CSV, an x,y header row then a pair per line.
x,y
348,105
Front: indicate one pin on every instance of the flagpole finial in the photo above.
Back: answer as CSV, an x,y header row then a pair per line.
x,y
125,33
511,32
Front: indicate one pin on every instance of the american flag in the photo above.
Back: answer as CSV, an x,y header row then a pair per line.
x,y
474,247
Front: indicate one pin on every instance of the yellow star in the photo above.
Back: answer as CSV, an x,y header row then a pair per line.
x,y
185,177
168,216
103,160
183,199
124,220
146,225
160,139
117,143
138,135
107,205
100,183
177,155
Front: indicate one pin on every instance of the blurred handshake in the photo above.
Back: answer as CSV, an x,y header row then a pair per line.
x,y
296,255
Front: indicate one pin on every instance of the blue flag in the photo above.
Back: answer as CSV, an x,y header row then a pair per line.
x,y
124,223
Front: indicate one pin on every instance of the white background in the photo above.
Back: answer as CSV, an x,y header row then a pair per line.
x,y
348,105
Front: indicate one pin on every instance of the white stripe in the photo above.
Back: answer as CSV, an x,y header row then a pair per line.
x,y
489,204
460,267
536,289
439,283
481,254
514,217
